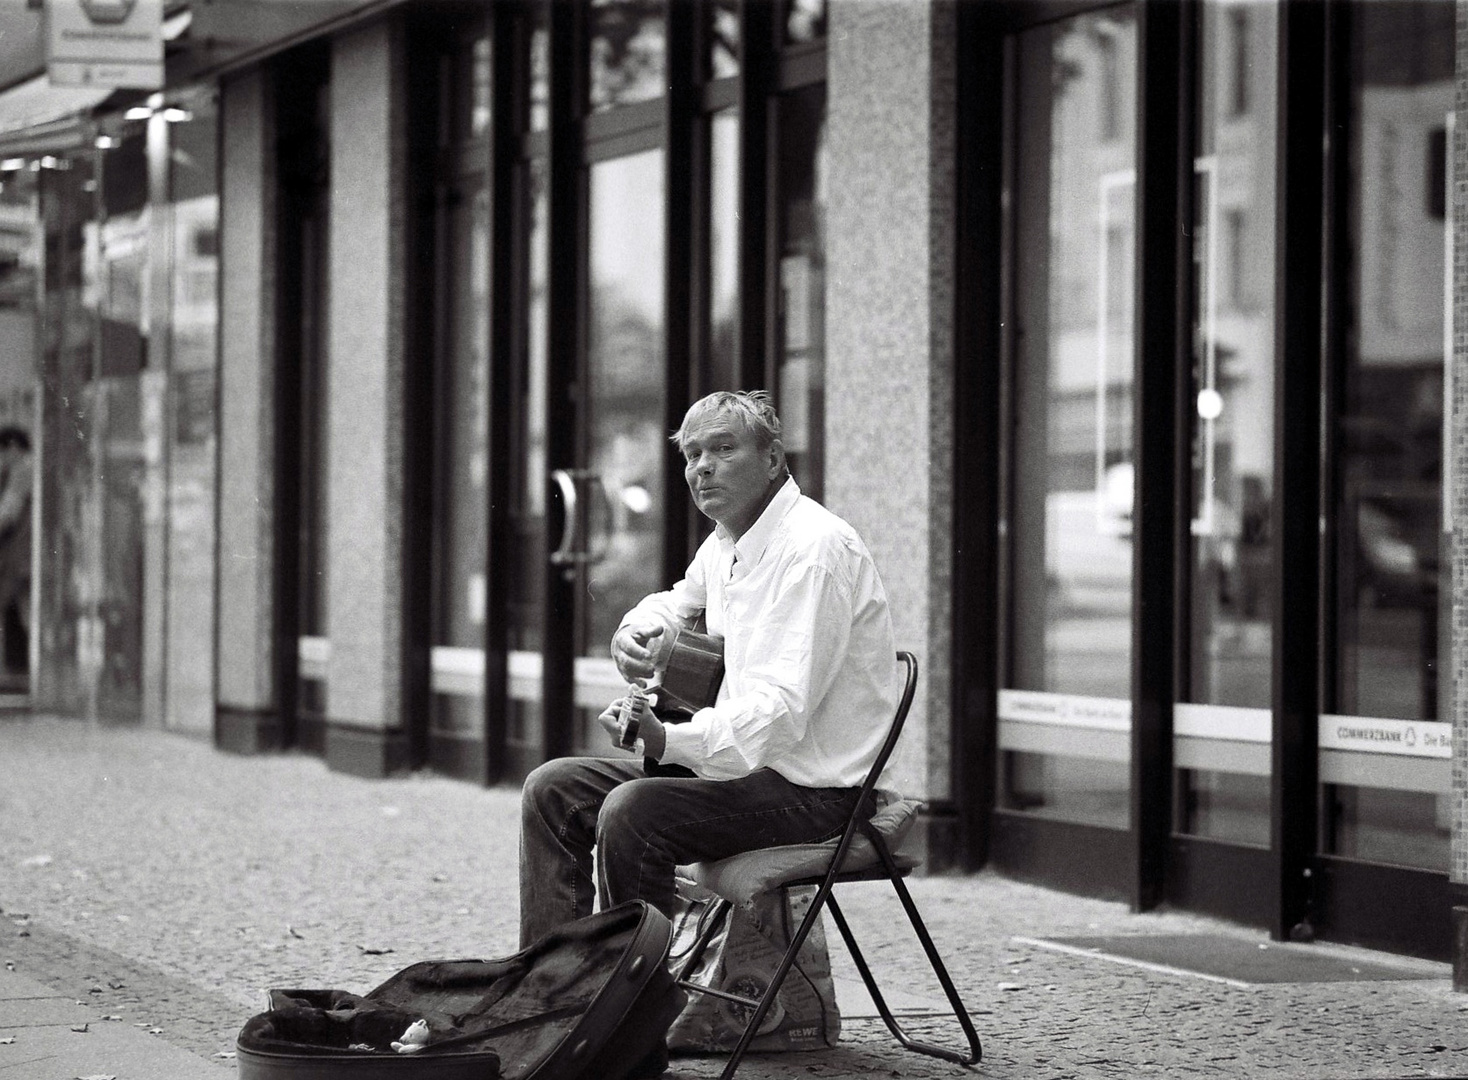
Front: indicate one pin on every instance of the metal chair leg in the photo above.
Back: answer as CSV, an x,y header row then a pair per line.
x,y
975,1052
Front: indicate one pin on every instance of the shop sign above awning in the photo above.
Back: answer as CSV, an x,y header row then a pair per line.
x,y
112,43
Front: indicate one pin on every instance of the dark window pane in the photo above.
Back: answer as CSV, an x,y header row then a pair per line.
x,y
802,375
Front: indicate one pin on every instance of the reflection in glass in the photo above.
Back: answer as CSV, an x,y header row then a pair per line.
x,y
724,250
69,641
539,69
629,445
461,465
20,253
122,409
805,20
627,52
1232,479
192,473
723,38
20,259
460,436
526,582
312,227
1070,528
479,103
1388,610
801,394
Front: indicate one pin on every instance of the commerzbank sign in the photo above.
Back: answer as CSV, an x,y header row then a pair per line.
x,y
1410,738
116,43
1357,734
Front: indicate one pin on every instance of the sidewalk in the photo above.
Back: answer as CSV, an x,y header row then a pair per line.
x,y
148,877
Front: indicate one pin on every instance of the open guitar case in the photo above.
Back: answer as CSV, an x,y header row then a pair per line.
x,y
591,999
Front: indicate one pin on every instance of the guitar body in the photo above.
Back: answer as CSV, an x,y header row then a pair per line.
x,y
690,682
695,670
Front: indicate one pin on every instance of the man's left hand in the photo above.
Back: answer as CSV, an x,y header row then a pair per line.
x,y
654,738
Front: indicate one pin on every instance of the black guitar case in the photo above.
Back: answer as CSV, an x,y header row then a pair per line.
x,y
591,999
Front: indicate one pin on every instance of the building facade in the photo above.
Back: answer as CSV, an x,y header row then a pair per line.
x,y
1126,333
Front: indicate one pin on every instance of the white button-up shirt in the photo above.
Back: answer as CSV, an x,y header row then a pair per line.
x,y
810,668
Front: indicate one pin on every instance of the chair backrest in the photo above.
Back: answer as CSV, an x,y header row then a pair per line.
x,y
894,731
899,718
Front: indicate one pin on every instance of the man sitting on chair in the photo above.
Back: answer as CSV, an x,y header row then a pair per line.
x,y
809,689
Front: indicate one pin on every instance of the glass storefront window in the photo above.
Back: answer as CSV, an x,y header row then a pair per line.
x,y
724,249
524,718
20,262
625,358
1064,721
627,52
723,37
479,98
628,438
1222,744
192,431
1387,611
539,65
71,632
805,20
801,393
461,401
462,466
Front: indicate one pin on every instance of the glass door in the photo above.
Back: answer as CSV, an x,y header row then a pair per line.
x,y
459,595
615,499
588,407
1222,727
1385,731
1065,712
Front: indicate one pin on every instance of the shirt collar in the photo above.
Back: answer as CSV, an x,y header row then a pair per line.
x,y
757,537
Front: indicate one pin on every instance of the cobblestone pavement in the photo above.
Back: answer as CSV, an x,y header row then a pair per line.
x,y
160,881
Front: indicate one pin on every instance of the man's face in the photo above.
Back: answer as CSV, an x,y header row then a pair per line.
x,y
727,472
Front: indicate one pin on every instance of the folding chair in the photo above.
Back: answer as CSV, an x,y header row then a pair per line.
x,y
880,865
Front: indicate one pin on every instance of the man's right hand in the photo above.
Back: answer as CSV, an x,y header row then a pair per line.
x,y
638,650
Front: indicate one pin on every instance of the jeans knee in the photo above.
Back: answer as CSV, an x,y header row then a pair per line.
x,y
543,786
627,811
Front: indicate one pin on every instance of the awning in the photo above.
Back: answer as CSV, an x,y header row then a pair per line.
x,y
229,34
38,118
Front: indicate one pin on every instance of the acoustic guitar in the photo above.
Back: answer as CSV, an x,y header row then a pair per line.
x,y
690,682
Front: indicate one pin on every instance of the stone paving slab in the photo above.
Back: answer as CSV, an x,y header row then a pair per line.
x,y
46,1036
181,882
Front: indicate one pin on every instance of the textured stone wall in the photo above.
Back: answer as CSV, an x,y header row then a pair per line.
x,y
365,378
888,363
1457,508
246,395
1458,442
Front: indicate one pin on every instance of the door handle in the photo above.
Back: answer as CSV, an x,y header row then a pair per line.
x,y
569,553
564,555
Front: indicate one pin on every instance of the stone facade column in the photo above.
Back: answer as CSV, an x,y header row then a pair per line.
x,y
364,391
247,714
1457,421
889,363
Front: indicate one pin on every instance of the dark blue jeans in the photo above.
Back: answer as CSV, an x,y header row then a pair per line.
x,y
643,827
